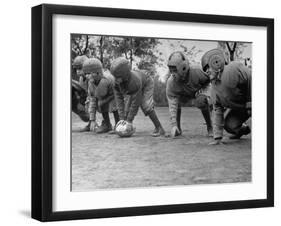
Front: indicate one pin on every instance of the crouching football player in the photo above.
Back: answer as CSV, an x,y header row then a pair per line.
x,y
77,66
101,96
184,84
80,100
231,94
138,87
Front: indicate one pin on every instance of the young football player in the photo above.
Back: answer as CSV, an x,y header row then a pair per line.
x,y
77,65
80,104
101,96
78,99
231,94
184,84
138,87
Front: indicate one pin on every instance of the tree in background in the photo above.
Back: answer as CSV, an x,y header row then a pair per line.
x,y
232,50
149,54
107,48
79,45
167,46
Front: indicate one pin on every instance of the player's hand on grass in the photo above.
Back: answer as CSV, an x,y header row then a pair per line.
x,y
217,142
129,125
175,131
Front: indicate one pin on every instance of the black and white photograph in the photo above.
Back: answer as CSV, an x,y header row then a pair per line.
x,y
151,112
142,112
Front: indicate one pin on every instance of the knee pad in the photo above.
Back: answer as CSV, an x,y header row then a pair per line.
x,y
147,106
147,110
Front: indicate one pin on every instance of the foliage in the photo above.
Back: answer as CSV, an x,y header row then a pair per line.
x,y
159,95
149,54
233,50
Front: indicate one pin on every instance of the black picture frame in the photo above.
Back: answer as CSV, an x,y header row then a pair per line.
x,y
42,108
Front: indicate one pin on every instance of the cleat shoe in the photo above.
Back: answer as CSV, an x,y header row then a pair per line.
x,y
104,127
245,130
85,129
158,132
113,131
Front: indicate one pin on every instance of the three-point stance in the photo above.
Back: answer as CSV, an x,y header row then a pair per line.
x,y
186,83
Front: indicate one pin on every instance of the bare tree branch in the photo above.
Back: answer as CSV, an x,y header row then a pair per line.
x,y
234,46
86,45
101,48
228,46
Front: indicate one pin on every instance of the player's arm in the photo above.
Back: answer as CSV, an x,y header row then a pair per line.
x,y
218,121
128,100
204,81
173,100
104,92
81,80
135,101
135,93
174,104
119,98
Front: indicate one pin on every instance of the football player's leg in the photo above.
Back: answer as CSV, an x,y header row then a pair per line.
x,y
203,104
116,116
81,110
179,118
128,101
114,111
78,102
235,123
147,107
105,125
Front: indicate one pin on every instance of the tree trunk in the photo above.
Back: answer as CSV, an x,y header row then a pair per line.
x,y
131,51
101,49
231,51
86,45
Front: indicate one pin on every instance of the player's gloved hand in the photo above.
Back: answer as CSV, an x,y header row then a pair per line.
x,y
120,122
175,131
129,125
125,128
217,142
93,125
